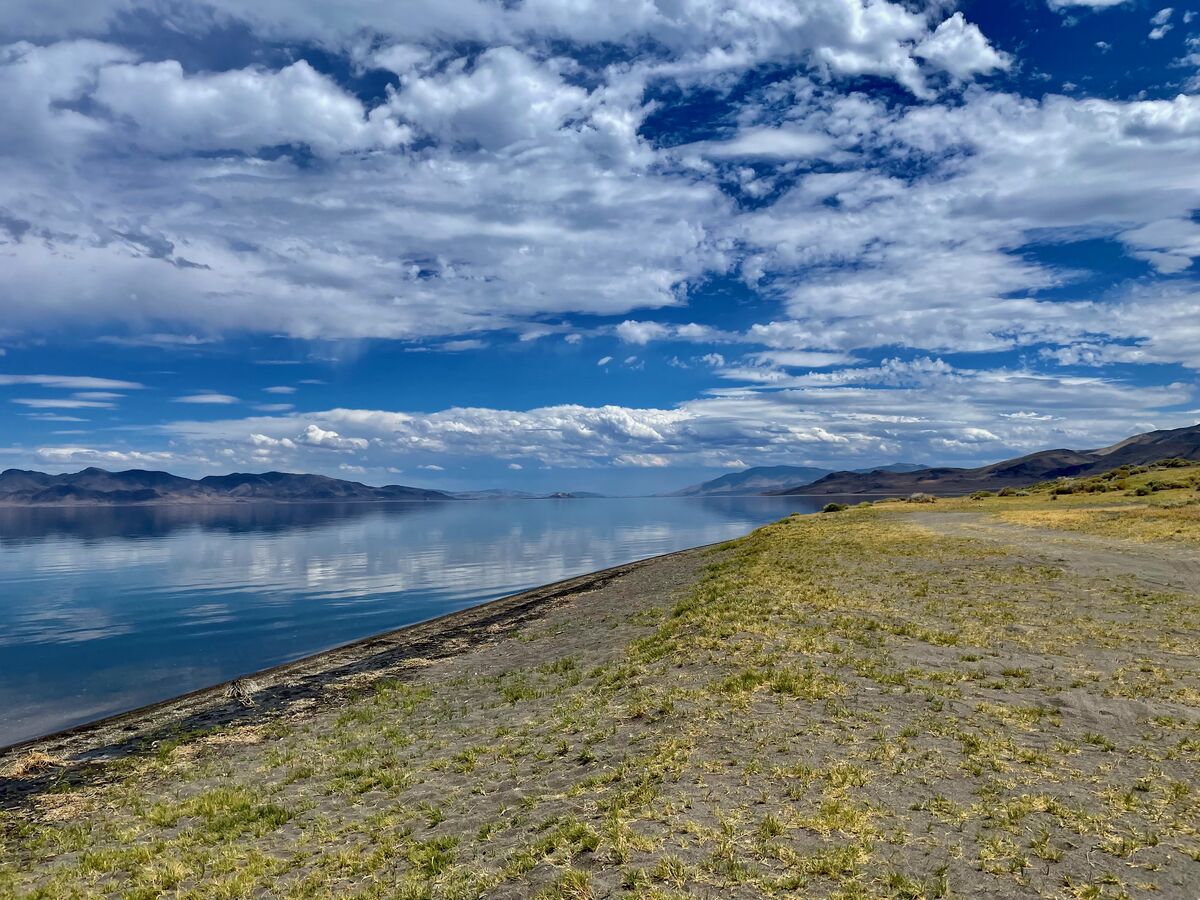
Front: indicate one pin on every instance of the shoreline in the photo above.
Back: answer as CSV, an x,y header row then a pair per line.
x,y
264,501
958,700
268,692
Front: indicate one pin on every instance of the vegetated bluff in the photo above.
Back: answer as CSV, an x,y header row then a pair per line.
x,y
1139,450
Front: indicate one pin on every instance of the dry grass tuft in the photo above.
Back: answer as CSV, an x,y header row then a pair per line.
x,y
34,763
66,807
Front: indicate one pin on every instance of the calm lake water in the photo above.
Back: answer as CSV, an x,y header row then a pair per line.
x,y
104,610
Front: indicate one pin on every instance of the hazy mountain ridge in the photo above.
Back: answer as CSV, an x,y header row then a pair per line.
x,y
765,479
93,486
1139,450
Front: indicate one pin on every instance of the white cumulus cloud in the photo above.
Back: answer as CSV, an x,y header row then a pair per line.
x,y
959,48
315,436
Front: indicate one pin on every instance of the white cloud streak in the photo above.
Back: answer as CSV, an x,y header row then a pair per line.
x,y
207,399
71,382
831,416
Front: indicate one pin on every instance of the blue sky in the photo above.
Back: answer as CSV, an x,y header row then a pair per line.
x,y
617,245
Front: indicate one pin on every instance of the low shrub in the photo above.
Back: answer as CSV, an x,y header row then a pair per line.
x,y
1157,485
919,497
982,495
834,507
1097,485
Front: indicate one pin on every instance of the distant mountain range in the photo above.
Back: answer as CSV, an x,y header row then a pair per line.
x,y
1139,450
96,487
767,479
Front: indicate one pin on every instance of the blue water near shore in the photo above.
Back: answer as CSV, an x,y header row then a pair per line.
x,y
103,610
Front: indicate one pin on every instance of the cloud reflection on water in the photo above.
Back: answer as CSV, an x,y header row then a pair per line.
x,y
102,609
